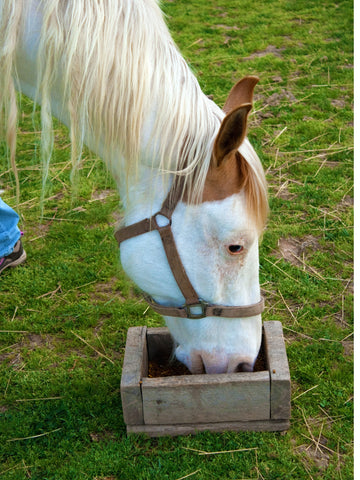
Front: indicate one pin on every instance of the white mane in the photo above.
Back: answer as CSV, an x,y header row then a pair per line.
x,y
115,68
123,84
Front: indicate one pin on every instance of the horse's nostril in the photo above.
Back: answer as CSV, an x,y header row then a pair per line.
x,y
244,367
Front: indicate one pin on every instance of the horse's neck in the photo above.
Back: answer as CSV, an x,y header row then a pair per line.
x,y
143,196
148,185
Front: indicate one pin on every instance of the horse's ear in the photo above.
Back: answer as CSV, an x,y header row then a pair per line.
x,y
241,93
232,133
233,128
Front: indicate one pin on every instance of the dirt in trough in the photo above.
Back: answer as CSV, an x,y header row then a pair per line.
x,y
166,369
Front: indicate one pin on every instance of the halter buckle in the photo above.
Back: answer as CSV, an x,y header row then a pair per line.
x,y
195,315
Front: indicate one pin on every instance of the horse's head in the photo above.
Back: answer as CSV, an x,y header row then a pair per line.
x,y
217,241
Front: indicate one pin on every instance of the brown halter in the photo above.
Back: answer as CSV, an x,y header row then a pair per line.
x,y
194,307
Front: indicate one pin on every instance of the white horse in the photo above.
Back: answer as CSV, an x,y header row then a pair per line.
x,y
110,71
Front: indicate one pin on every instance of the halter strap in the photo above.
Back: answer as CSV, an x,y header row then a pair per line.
x,y
167,238
194,307
203,309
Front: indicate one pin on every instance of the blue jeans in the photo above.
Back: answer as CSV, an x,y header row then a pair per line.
x,y
9,231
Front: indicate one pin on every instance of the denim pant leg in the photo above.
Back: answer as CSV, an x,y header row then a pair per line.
x,y
9,231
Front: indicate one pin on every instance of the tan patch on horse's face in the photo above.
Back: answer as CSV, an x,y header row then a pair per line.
x,y
224,180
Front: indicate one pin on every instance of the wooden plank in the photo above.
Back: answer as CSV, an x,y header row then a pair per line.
x,y
160,344
134,368
206,398
173,430
280,403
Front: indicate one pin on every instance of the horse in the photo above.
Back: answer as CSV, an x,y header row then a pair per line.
x,y
192,186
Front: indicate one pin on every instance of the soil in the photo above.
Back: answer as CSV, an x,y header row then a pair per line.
x,y
161,369
291,249
270,49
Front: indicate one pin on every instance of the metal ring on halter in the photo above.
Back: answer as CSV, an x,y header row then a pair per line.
x,y
190,314
160,214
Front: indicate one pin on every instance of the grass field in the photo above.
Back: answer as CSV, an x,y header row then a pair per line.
x,y
65,313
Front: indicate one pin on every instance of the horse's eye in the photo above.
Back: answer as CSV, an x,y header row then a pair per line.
x,y
235,249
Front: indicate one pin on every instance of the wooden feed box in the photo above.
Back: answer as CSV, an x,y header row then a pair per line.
x,y
179,405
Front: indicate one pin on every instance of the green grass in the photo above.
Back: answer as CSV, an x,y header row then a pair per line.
x,y
60,408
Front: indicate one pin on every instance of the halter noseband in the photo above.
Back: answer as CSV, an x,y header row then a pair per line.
x,y
194,307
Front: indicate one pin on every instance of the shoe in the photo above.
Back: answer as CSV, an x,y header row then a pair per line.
x,y
17,256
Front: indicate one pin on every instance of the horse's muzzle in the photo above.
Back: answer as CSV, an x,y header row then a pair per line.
x,y
204,362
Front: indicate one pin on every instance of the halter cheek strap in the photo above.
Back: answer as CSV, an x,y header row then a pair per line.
x,y
194,307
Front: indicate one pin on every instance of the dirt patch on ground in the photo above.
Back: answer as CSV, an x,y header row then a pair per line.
x,y
102,195
226,27
284,193
313,454
38,231
103,291
30,342
348,347
277,99
270,49
102,436
315,451
293,249
346,203
339,103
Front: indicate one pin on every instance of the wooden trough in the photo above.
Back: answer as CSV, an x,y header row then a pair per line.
x,y
184,404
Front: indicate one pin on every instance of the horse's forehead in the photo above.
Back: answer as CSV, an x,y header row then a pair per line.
x,y
223,181
227,218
